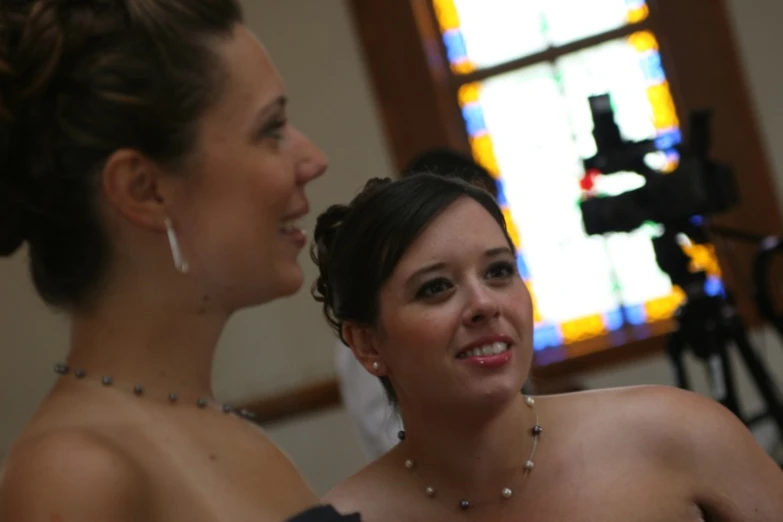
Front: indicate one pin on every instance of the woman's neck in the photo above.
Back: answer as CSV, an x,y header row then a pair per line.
x,y
150,338
474,457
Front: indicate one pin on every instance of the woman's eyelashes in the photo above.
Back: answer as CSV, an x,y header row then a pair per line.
x,y
433,288
499,271
274,129
502,270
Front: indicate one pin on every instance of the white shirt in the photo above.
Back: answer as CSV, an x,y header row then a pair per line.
x,y
376,421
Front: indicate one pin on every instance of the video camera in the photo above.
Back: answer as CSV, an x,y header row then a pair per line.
x,y
697,187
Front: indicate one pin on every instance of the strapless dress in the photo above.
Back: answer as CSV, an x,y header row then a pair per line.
x,y
324,514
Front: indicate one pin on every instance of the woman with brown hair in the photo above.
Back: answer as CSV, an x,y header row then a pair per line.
x,y
363,395
147,163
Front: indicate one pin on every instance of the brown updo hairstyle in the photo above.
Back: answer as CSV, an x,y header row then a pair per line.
x,y
357,246
80,79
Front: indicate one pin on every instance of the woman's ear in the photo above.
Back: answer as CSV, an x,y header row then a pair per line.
x,y
132,185
362,342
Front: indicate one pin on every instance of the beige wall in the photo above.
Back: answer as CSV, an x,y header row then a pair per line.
x,y
287,343
756,24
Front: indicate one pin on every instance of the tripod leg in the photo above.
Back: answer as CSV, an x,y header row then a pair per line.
x,y
722,380
759,374
674,349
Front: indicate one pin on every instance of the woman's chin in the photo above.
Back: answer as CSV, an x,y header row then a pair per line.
x,y
487,398
501,394
498,391
497,385
289,281
275,283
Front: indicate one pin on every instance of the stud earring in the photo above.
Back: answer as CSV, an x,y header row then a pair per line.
x,y
376,365
176,253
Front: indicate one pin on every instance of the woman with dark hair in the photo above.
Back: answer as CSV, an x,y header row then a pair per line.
x,y
147,164
418,277
363,396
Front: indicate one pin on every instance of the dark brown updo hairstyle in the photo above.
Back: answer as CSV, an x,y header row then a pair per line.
x,y
80,79
357,246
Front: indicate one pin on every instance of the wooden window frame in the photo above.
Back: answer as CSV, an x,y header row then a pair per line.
x,y
416,93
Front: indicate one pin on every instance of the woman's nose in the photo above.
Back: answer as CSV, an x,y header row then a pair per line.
x,y
312,161
482,306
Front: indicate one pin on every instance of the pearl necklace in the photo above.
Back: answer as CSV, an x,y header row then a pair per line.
x,y
139,391
506,492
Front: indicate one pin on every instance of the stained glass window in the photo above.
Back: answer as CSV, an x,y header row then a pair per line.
x,y
569,20
532,127
484,33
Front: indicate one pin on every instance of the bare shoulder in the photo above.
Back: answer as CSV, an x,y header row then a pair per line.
x,y
372,491
674,421
696,439
730,473
71,476
348,496
657,413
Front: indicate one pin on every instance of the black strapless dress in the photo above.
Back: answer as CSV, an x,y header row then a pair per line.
x,y
324,514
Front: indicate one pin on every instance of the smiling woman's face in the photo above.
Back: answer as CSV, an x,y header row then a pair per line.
x,y
236,213
455,316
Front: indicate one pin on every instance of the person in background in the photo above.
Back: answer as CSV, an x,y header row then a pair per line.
x,y
375,420
147,163
419,277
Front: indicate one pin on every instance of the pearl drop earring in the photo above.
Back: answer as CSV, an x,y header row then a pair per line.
x,y
376,365
179,260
